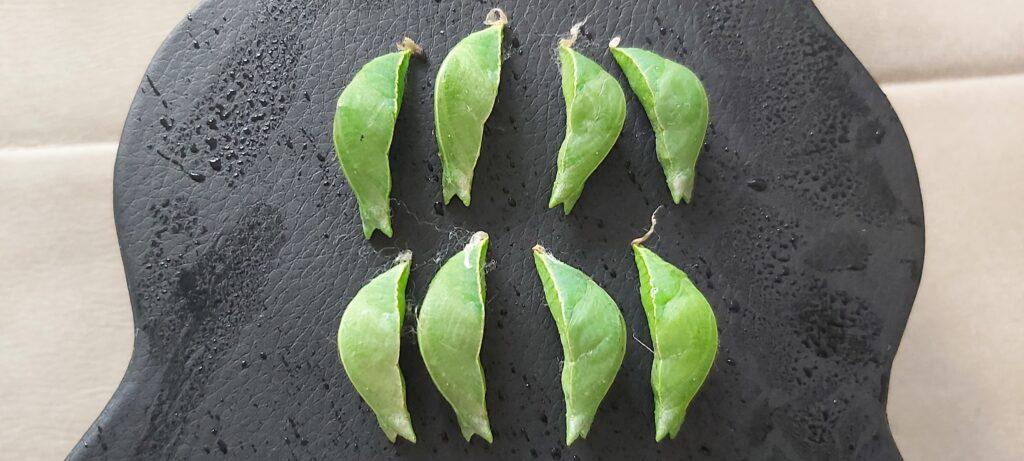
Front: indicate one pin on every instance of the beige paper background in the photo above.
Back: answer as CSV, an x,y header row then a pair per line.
x,y
953,70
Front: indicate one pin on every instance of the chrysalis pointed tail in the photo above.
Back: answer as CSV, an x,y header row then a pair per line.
x,y
476,426
577,426
566,199
667,421
398,426
680,185
454,188
370,225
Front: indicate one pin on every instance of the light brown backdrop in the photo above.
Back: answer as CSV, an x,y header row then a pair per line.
x,y
954,71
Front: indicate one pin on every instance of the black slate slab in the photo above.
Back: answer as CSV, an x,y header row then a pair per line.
x,y
242,245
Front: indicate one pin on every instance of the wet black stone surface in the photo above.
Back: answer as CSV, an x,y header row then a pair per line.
x,y
242,245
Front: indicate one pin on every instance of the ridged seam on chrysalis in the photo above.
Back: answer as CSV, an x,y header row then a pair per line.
x,y
369,179
450,286
389,408
591,310
691,333
456,179
589,140
678,149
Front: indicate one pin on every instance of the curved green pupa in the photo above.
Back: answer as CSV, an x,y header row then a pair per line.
x,y
363,127
595,109
467,84
368,343
593,336
684,333
677,106
451,330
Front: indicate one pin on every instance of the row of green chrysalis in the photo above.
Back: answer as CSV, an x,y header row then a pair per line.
x,y
466,87
592,331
